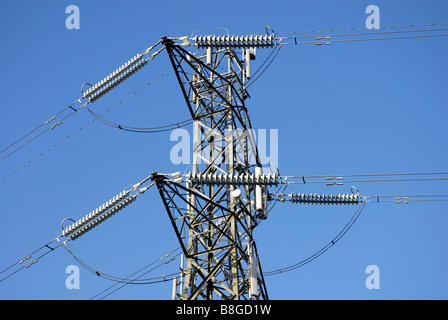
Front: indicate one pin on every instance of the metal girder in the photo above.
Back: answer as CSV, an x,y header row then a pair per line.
x,y
213,226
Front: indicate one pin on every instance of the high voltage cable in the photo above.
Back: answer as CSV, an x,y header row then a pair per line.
x,y
86,125
83,225
102,87
364,39
385,177
366,33
48,150
317,254
403,199
141,130
41,125
96,90
369,180
92,94
133,274
126,280
327,37
272,39
261,65
274,179
371,175
27,262
350,223
355,29
41,133
305,198
252,80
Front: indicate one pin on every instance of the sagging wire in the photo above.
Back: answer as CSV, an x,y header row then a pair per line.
x,y
363,201
29,260
362,34
92,94
323,38
158,129
128,280
355,29
86,125
41,133
331,180
360,40
50,120
82,226
252,80
138,278
317,254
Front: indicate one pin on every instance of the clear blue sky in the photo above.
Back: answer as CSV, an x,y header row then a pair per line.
x,y
348,108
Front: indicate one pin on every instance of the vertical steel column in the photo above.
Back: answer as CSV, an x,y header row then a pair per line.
x,y
213,225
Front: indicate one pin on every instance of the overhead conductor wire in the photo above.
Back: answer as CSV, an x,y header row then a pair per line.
x,y
30,259
80,227
317,254
327,39
93,120
92,94
130,281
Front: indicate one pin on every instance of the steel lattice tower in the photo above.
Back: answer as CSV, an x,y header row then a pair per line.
x,y
215,208
214,222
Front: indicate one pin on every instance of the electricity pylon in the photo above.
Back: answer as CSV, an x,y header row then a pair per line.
x,y
213,218
215,208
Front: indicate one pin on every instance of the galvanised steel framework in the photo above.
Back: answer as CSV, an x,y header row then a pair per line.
x,y
214,223
225,194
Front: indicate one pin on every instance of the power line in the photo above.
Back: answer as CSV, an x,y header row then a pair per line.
x,y
93,93
366,199
86,125
355,29
41,125
376,177
272,60
41,133
365,33
404,199
363,39
371,175
46,248
273,39
317,254
354,198
141,130
46,151
133,274
126,280
80,227
369,180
